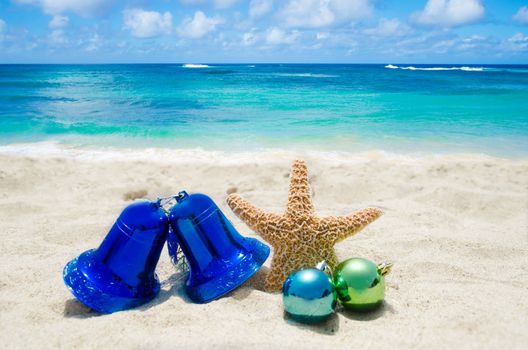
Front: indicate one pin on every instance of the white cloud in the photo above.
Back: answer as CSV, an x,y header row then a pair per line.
x,y
321,36
443,46
258,8
57,37
322,13
199,25
518,42
522,15
59,21
449,13
80,7
94,43
277,36
446,43
271,37
345,10
249,38
388,27
472,42
147,24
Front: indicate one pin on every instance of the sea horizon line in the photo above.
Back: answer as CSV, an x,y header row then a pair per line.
x,y
259,63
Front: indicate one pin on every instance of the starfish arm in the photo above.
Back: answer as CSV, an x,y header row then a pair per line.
x,y
279,270
331,259
336,229
273,280
300,196
255,218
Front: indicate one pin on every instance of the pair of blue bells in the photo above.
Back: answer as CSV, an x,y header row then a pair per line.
x,y
120,274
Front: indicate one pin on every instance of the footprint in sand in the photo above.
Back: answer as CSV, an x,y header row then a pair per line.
x,y
131,195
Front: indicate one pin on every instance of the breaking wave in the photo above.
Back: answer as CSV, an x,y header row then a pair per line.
x,y
467,69
192,65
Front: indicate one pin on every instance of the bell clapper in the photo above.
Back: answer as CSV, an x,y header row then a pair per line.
x,y
166,203
181,262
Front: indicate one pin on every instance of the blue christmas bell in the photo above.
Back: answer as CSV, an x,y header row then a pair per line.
x,y
219,258
120,273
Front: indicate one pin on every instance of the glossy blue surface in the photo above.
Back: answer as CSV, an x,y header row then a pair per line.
x,y
219,258
309,295
172,246
120,273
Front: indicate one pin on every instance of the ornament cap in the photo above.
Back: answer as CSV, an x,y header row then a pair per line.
x,y
323,266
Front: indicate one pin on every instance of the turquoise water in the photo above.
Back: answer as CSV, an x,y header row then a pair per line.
x,y
398,108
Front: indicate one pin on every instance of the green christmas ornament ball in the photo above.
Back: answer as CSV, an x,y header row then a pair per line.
x,y
360,283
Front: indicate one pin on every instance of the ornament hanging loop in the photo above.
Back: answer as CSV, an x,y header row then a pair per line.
x,y
323,266
166,203
385,268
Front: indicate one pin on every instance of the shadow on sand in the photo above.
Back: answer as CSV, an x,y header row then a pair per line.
x,y
330,326
75,309
367,315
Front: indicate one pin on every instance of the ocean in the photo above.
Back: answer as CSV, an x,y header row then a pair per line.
x,y
398,108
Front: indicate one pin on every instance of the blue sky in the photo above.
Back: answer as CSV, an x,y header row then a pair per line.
x,y
322,31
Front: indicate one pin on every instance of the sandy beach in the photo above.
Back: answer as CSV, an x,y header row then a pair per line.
x,y
455,228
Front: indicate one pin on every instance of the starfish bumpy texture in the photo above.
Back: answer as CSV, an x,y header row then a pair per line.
x,y
300,238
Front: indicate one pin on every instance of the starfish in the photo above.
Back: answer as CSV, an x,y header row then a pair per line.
x,y
300,239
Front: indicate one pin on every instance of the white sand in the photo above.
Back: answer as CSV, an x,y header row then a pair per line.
x,y
456,228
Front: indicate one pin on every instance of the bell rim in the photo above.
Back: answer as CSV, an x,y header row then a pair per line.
x,y
254,261
85,291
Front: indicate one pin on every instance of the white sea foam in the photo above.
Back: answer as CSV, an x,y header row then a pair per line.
x,y
54,150
467,69
193,65
472,69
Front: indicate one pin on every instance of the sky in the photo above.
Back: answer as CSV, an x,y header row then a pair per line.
x,y
260,31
